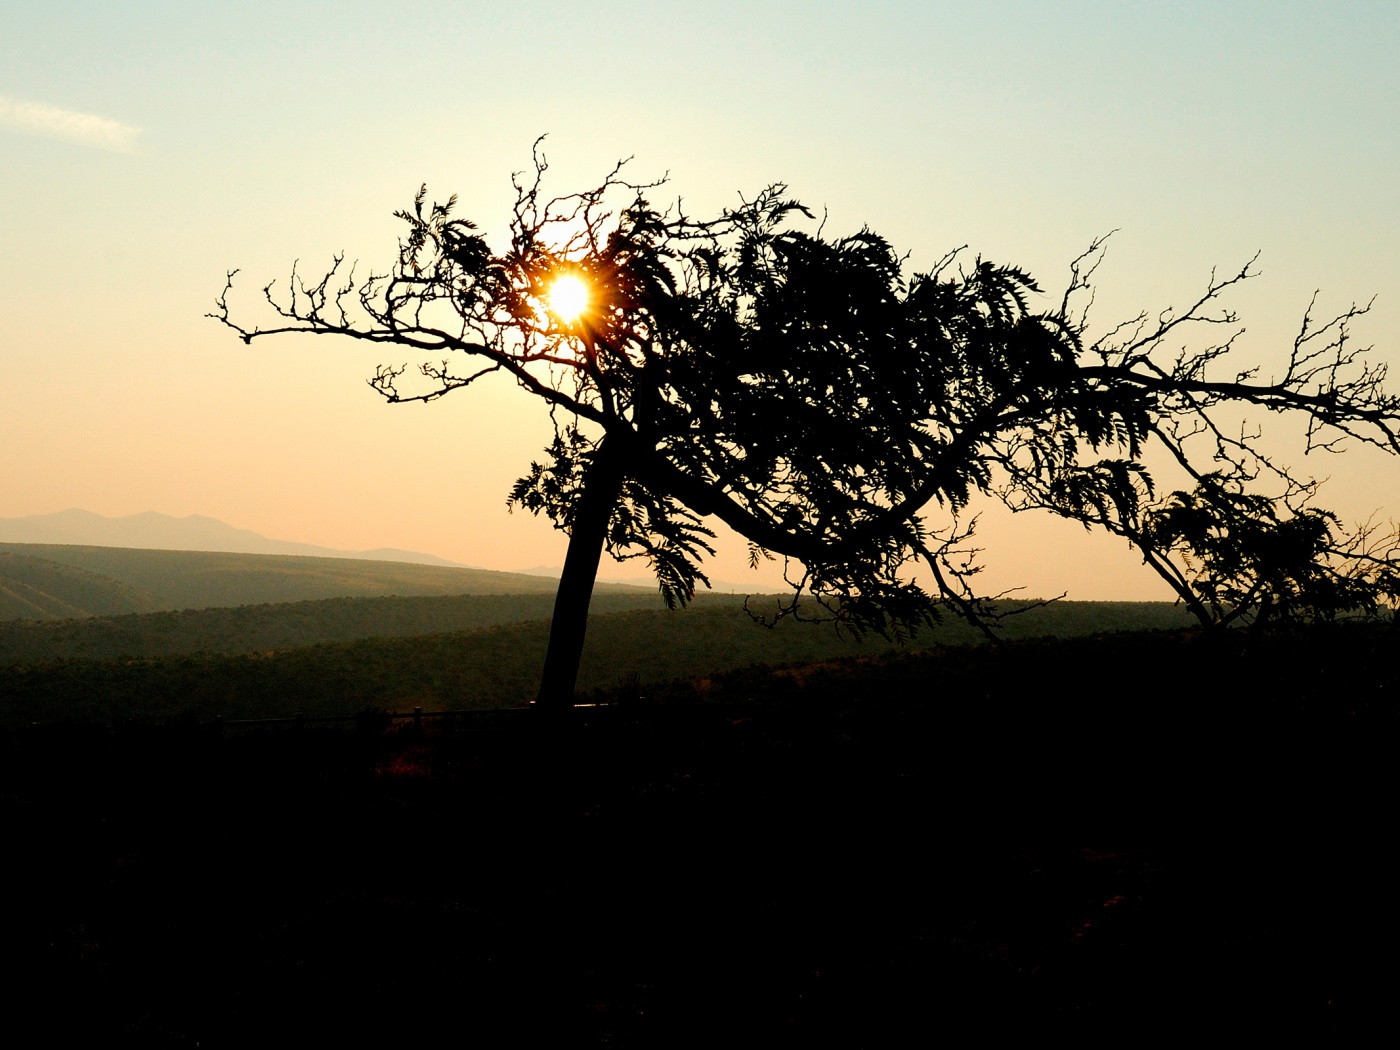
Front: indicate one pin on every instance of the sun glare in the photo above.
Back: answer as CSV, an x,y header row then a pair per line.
x,y
568,298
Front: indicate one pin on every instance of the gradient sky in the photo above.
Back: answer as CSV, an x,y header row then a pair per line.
x,y
146,148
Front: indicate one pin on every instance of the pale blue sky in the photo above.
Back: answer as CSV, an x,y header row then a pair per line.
x,y
268,132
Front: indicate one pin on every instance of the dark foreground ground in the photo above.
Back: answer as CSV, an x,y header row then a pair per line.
x,y
1108,838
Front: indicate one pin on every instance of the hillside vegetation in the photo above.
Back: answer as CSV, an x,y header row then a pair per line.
x,y
487,667
95,635
265,628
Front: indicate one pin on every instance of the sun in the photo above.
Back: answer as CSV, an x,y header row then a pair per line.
x,y
568,297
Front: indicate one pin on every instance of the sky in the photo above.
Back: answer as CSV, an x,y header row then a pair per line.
x,y
148,148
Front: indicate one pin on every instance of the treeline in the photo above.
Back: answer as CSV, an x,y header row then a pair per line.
x,y
488,667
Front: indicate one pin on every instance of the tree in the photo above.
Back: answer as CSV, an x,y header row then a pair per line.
x,y
1246,560
1231,553
823,402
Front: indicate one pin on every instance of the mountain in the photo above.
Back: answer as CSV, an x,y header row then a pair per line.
x,y
152,531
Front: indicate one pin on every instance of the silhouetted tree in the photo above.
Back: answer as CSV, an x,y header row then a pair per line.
x,y
1247,557
1230,552
813,395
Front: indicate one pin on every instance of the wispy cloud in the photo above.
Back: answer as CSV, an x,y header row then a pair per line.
x,y
55,122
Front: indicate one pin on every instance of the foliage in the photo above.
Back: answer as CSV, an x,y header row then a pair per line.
x,y
1247,558
835,409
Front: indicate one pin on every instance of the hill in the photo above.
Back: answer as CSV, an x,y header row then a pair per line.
x,y
41,589
207,579
152,531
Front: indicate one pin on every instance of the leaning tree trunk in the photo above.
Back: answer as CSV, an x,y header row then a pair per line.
x,y
566,633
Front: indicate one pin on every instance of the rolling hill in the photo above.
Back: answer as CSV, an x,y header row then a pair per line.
x,y
59,581
35,588
152,531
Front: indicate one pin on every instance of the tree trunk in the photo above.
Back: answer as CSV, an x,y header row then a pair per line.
x,y
571,601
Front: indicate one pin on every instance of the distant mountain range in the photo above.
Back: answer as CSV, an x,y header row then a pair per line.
x,y
152,531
